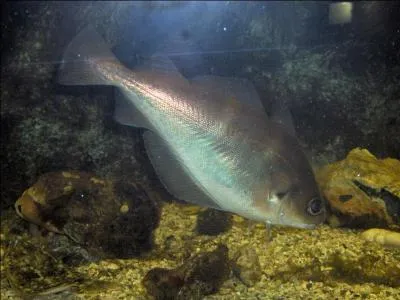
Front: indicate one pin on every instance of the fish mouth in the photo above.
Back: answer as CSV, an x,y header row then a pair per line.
x,y
296,225
303,225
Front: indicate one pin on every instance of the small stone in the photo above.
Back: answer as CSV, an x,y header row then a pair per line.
x,y
163,283
109,265
202,274
190,209
124,208
381,236
247,265
212,268
213,222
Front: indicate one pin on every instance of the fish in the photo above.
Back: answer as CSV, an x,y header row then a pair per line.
x,y
208,138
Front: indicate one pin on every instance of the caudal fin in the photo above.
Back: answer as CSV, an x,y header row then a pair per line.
x,y
82,57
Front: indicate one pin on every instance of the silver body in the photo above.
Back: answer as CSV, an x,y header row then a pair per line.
x,y
208,139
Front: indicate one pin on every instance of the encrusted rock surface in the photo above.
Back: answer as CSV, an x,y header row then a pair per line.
x,y
107,218
246,265
362,190
200,275
213,222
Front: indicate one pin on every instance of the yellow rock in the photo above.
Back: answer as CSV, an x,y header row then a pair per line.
x,y
191,209
124,208
384,237
363,186
48,193
68,188
70,175
97,181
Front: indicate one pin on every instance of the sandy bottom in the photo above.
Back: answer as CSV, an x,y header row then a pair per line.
x,y
324,263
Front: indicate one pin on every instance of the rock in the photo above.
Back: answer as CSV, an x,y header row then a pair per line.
x,y
106,218
246,265
163,283
212,268
384,237
362,190
213,222
202,274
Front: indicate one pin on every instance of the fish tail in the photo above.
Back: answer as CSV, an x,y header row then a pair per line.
x,y
82,59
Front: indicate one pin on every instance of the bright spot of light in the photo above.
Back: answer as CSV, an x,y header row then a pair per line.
x,y
340,12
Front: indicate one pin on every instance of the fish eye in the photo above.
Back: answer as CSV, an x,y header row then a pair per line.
x,y
315,207
19,207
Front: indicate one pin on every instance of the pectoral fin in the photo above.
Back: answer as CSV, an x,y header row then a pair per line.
x,y
241,89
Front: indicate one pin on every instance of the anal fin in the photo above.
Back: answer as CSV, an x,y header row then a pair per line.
x,y
173,174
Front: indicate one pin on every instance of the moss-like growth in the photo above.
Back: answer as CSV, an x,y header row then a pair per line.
x,y
213,222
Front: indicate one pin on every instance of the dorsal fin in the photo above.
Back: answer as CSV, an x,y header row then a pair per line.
x,y
240,89
158,63
281,114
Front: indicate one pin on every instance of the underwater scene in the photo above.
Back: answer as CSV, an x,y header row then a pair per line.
x,y
200,150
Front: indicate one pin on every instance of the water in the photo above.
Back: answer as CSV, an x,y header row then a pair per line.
x,y
99,218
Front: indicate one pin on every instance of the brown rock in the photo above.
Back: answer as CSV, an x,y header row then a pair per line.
x,y
201,275
362,190
107,218
247,265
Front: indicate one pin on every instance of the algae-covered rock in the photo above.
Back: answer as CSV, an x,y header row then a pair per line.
x,y
213,222
200,275
108,218
363,190
247,265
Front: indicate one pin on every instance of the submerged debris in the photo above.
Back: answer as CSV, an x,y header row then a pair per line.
x,y
31,270
107,218
213,222
201,275
363,190
247,265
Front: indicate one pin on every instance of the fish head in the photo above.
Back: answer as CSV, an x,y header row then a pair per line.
x,y
291,201
300,204
287,192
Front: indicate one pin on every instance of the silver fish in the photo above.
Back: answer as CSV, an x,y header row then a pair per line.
x,y
209,138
